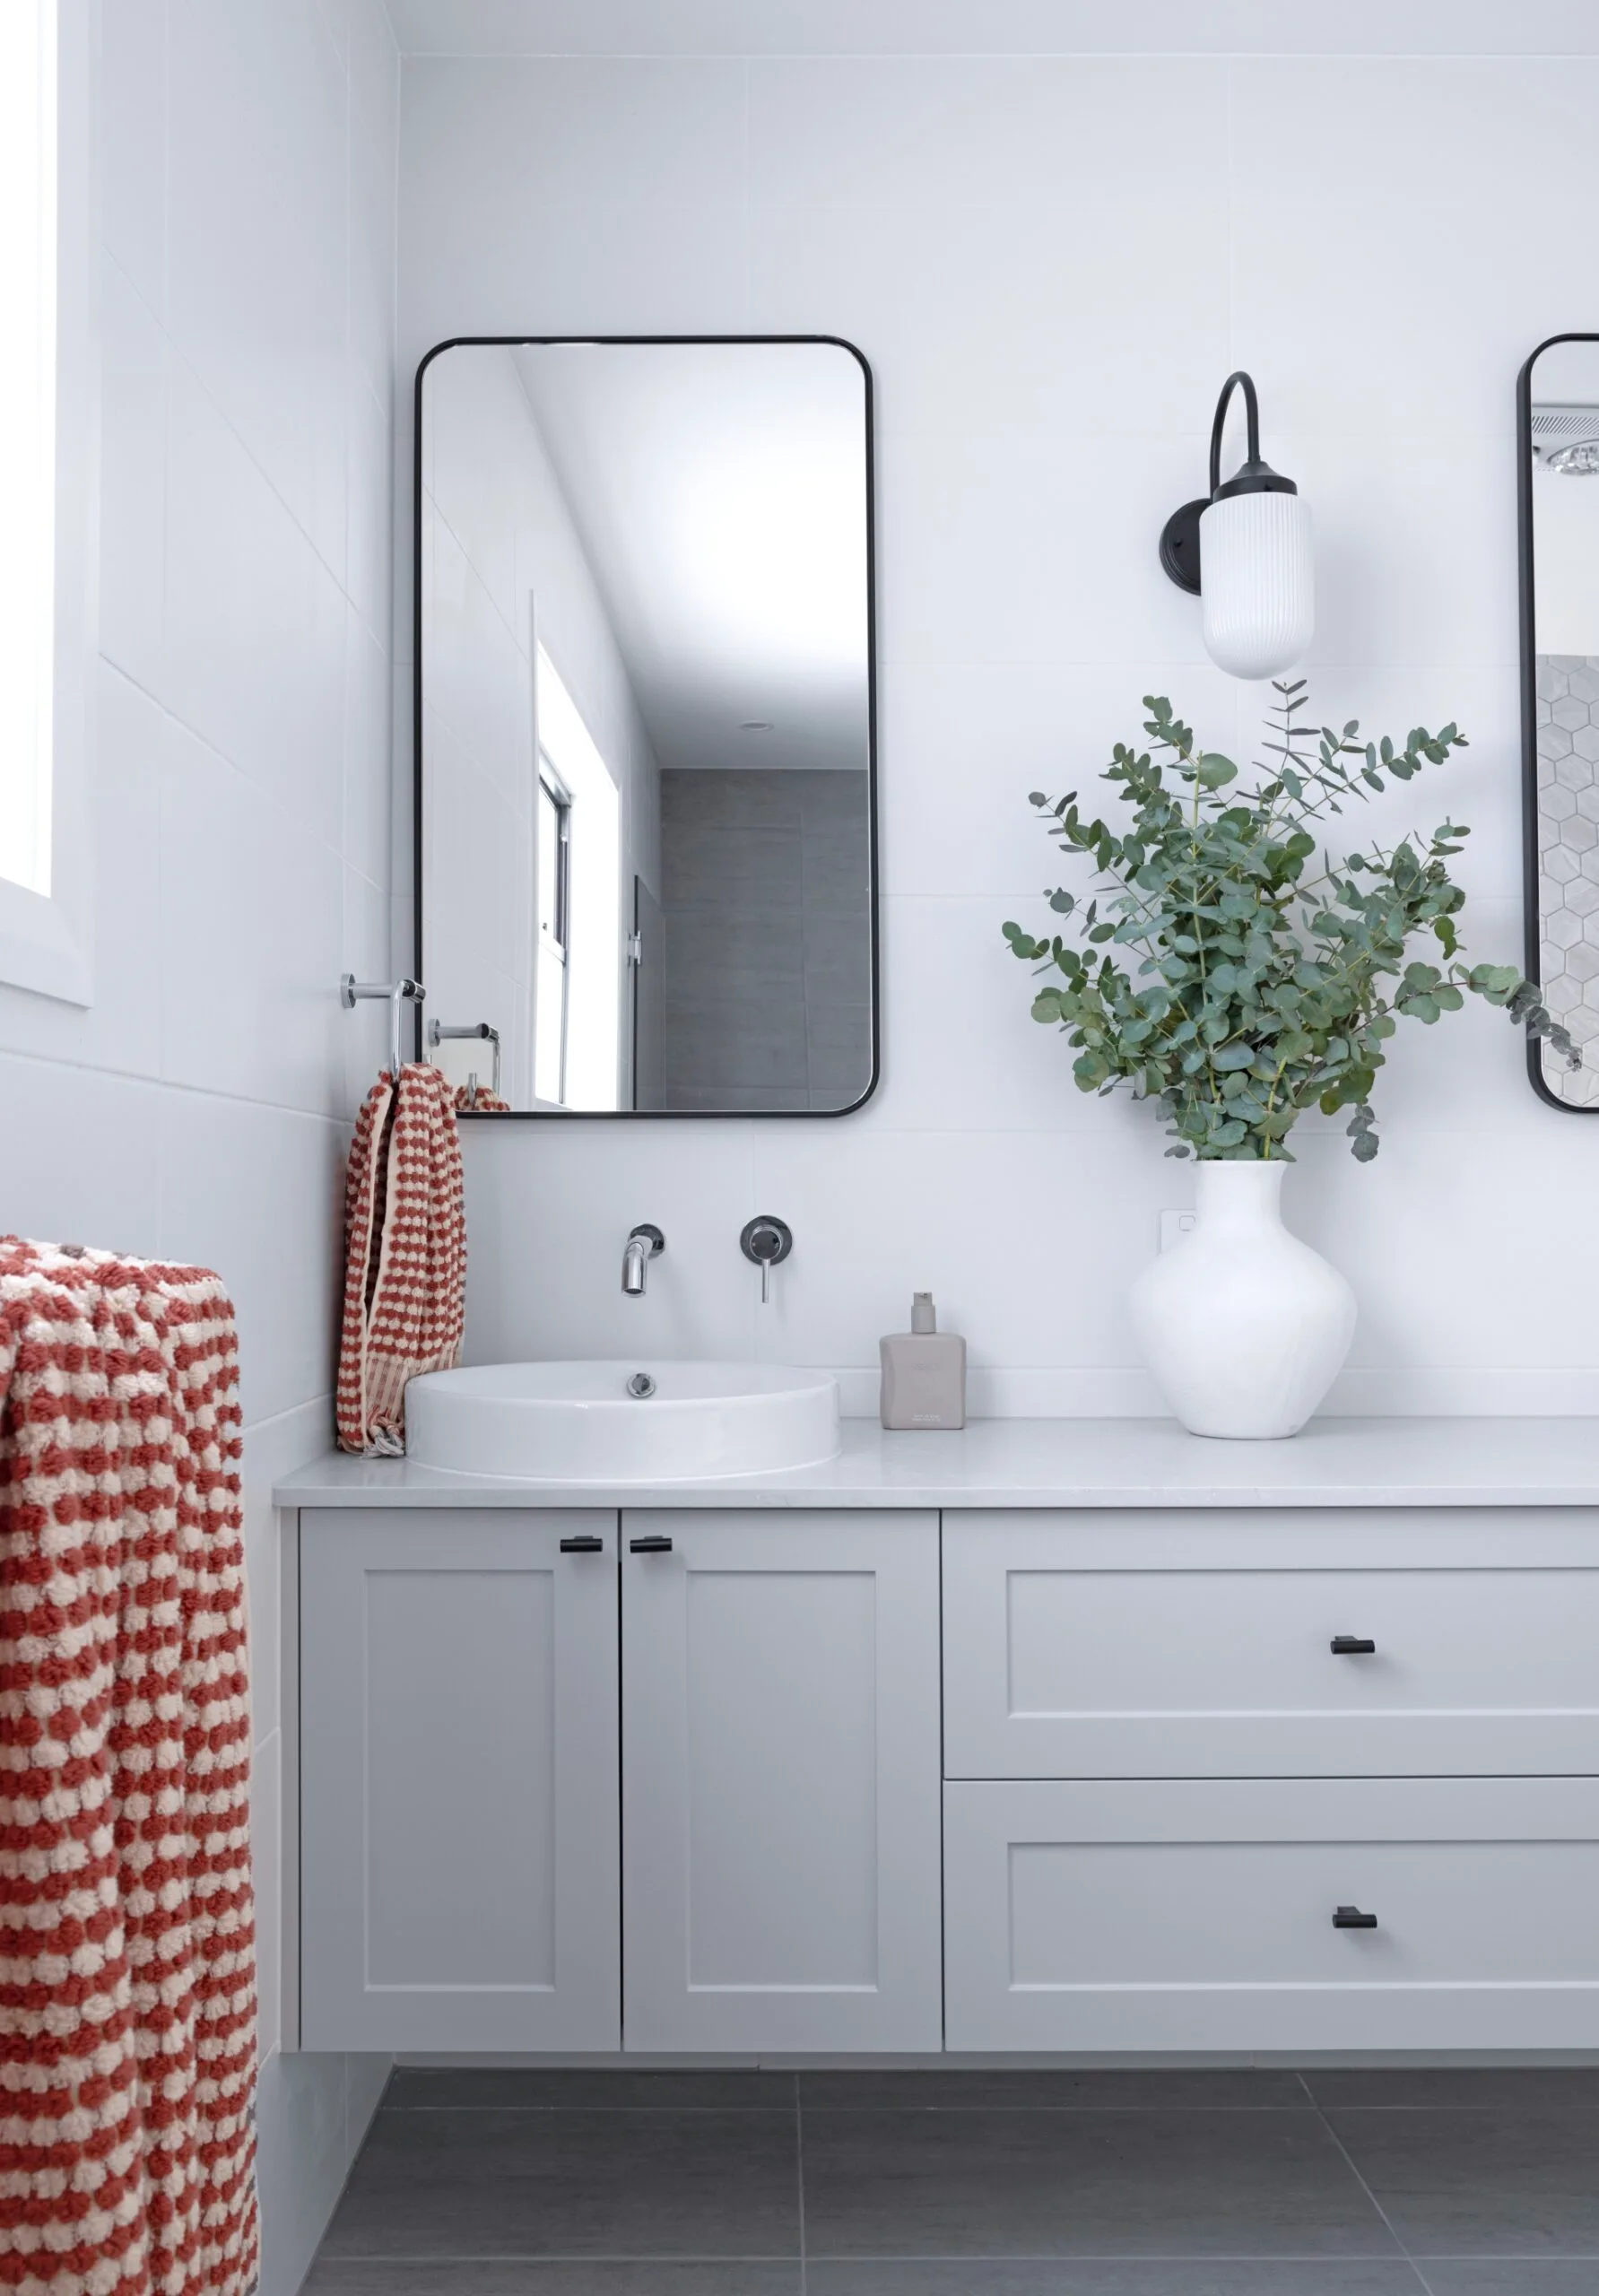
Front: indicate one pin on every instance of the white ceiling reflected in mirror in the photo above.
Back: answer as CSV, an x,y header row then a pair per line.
x,y
646,768
1559,447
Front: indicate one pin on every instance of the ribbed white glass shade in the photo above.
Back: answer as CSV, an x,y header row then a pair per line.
x,y
1258,583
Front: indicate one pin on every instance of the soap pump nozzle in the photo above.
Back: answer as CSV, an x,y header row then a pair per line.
x,y
924,1316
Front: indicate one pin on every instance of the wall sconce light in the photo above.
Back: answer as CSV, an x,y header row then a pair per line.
x,y
1252,539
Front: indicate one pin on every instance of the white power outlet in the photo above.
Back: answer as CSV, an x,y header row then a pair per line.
x,y
1175,1226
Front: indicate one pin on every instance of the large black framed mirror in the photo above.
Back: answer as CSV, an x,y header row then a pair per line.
x,y
1558,477
646,725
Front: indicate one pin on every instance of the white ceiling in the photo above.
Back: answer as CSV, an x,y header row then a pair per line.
x,y
720,492
995,27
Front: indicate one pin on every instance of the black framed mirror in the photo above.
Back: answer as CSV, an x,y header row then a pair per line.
x,y
1557,480
646,725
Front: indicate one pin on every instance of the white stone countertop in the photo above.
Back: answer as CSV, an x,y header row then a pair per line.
x,y
1064,1463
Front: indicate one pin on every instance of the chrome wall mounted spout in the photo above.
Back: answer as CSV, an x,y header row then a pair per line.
x,y
644,1243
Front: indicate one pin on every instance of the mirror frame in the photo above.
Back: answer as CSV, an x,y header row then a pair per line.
x,y
418,968
1532,920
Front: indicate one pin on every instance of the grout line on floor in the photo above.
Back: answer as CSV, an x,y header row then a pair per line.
x,y
922,2256
1370,2196
799,2149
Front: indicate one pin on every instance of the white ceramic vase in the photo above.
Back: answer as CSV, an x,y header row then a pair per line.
x,y
1244,1326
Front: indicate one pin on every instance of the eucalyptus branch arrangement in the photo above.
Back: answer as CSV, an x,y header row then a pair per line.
x,y
1260,991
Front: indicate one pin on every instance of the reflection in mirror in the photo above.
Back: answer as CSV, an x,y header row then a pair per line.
x,y
1560,561
646,771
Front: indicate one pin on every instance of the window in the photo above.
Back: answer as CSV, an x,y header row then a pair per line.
x,y
28,433
579,888
554,872
48,471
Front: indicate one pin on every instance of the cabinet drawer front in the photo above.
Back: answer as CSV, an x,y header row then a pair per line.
x,y
1071,1651
1156,1914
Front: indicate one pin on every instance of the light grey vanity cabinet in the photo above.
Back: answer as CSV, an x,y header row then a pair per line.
x,y
781,1780
460,1836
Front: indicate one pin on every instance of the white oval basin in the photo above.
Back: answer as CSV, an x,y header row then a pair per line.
x,y
575,1422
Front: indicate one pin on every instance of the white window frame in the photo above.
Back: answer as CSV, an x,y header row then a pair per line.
x,y
46,940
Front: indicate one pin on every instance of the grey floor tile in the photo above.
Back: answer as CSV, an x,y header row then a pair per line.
x,y
1486,2183
527,2087
533,2279
1122,2277
934,2090
615,2184
998,2183
1510,2276
1522,2088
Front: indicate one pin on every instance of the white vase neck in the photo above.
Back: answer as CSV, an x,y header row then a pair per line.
x,y
1243,1195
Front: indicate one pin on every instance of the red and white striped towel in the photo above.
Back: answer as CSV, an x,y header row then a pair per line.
x,y
405,1255
128,1958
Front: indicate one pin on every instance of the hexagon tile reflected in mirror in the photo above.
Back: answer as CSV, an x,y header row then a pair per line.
x,y
1568,862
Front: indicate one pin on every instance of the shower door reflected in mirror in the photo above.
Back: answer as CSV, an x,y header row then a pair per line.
x,y
1559,410
646,760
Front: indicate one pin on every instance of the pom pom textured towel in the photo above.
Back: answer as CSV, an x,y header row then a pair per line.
x,y
405,1255
127,1960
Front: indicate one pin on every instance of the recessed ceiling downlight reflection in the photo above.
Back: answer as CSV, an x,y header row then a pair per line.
x,y
756,726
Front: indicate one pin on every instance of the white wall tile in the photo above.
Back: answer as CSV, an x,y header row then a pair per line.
x,y
136,380
1010,317
82,1165
256,1194
983,548
367,830
568,129
545,1263
251,1005
255,622
257,160
1415,129
133,95
952,130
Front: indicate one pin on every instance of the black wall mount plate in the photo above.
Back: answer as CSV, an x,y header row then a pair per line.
x,y
1180,544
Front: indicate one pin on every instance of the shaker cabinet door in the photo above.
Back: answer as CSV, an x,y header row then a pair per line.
x,y
459,1821
780,1723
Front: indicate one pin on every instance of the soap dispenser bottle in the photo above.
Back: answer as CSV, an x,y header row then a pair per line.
x,y
923,1372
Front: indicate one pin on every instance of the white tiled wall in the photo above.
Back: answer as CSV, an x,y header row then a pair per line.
x,y
1052,263
200,1109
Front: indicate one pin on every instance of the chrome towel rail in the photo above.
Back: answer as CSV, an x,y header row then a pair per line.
x,y
397,993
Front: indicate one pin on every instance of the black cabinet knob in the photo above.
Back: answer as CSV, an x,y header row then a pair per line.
x,y
1351,1646
585,1545
1350,1917
654,1545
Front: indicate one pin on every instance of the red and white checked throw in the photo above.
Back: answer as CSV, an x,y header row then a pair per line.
x,y
405,1255
128,1956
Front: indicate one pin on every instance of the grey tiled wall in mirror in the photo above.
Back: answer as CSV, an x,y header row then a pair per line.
x,y
1560,487
646,785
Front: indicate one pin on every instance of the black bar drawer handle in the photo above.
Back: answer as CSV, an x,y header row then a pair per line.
x,y
1350,1917
585,1545
1351,1646
654,1545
